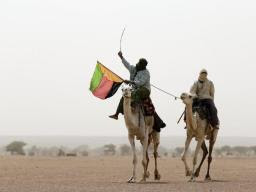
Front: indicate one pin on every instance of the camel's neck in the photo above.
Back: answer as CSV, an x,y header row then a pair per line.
x,y
127,107
189,116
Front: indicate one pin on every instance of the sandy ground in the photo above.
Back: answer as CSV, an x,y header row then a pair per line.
x,y
85,174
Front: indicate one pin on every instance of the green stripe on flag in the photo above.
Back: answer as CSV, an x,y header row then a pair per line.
x,y
96,79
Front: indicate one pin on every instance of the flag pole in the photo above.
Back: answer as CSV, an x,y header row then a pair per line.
x,y
110,70
121,39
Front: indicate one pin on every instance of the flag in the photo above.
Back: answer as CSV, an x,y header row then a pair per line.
x,y
104,83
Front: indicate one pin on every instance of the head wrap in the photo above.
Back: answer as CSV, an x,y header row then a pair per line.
x,y
141,65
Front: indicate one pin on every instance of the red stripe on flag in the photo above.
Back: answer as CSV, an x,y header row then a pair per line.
x,y
103,89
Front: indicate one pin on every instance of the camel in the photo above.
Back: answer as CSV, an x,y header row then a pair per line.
x,y
141,127
197,128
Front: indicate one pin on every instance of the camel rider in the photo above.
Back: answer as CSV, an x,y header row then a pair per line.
x,y
203,88
140,77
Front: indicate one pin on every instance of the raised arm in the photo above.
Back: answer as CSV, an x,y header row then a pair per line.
x,y
125,62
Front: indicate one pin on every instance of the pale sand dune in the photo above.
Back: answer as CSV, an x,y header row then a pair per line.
x,y
40,174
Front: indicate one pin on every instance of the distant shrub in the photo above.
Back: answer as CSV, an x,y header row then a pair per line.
x,y
125,150
16,147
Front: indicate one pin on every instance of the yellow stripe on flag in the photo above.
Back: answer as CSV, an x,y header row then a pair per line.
x,y
109,74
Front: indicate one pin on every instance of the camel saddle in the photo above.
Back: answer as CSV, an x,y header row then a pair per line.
x,y
202,110
203,113
148,109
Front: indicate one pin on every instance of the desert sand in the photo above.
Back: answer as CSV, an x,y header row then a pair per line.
x,y
109,174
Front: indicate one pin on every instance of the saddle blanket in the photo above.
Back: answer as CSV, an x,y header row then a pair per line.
x,y
148,107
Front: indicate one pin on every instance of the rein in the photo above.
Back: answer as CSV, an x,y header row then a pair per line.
x,y
170,94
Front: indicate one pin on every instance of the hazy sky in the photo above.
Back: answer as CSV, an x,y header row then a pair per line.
x,y
49,48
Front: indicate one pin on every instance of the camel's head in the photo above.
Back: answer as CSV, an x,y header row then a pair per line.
x,y
127,90
187,98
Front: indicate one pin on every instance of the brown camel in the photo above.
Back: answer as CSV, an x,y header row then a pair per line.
x,y
197,128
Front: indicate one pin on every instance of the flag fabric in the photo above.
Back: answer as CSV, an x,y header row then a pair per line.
x,y
104,83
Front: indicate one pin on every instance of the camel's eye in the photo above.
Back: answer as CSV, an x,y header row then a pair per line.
x,y
190,96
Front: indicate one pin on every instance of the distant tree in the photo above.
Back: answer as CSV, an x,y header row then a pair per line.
x,y
109,149
241,150
16,147
162,151
71,154
84,153
226,150
218,152
178,151
33,151
125,150
61,153
54,151
253,148
82,150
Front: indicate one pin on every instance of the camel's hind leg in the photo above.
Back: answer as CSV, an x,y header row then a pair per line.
x,y
205,152
132,142
156,142
212,142
184,156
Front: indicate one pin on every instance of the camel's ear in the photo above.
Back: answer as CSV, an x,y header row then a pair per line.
x,y
122,87
130,87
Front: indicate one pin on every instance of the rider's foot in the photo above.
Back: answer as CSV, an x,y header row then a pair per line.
x,y
163,125
115,116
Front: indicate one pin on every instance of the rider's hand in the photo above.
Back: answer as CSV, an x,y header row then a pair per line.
x,y
120,54
127,81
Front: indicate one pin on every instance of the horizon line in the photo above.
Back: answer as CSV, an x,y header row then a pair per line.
x,y
64,135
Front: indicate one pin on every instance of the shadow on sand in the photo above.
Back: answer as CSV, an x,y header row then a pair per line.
x,y
213,181
173,182
147,182
154,182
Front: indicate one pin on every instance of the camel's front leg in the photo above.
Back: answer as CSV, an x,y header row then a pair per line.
x,y
156,141
149,141
205,152
133,177
184,156
144,160
198,147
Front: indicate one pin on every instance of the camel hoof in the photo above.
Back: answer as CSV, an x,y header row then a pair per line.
x,y
188,173
197,173
131,180
147,174
143,180
157,177
192,180
208,178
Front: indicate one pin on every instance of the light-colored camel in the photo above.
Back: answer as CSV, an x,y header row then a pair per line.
x,y
197,128
141,127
